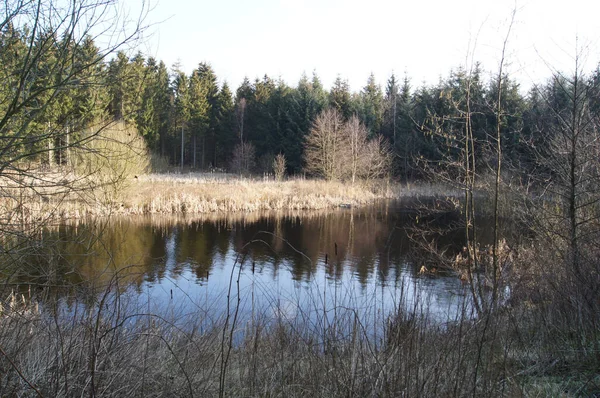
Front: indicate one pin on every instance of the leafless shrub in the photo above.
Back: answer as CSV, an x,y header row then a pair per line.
x,y
325,145
342,151
112,157
378,159
279,167
244,156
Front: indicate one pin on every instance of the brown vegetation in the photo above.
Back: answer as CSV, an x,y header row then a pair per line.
x,y
336,150
173,194
188,194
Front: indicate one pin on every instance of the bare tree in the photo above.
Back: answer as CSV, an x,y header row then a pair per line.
x,y
244,158
500,116
567,215
342,151
377,159
356,162
325,146
51,49
279,167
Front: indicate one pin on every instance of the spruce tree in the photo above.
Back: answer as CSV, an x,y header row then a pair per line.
x,y
209,82
225,133
182,113
371,106
340,98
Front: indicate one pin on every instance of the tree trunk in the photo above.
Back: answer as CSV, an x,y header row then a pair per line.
x,y
181,147
203,164
195,150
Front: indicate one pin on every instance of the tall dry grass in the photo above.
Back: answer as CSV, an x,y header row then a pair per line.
x,y
225,193
201,193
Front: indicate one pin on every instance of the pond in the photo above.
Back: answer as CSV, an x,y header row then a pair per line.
x,y
309,267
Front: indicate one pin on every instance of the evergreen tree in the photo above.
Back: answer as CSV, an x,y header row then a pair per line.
x,y
199,112
307,101
182,113
340,98
126,85
163,104
244,95
513,108
260,121
91,98
371,106
281,110
407,141
390,110
225,133
145,120
209,82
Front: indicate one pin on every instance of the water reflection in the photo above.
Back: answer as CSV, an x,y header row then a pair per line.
x,y
351,258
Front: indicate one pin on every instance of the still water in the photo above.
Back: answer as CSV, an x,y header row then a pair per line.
x,y
308,266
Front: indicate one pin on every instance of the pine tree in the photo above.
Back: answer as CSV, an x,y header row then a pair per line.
x,y
126,85
407,143
260,121
390,112
163,104
281,104
244,95
145,119
306,102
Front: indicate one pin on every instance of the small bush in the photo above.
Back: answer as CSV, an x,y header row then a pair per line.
x,y
279,167
243,161
158,163
111,157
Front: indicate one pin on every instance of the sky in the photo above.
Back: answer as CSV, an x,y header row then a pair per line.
x,y
423,38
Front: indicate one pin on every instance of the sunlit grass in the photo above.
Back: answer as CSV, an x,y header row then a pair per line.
x,y
198,193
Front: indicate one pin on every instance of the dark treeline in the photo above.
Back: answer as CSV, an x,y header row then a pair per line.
x,y
194,120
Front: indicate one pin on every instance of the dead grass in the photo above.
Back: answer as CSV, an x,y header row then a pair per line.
x,y
54,195
221,193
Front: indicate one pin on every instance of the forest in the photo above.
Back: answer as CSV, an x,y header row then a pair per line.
x,y
198,121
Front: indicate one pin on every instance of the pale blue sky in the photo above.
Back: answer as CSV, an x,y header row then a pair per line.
x,y
426,38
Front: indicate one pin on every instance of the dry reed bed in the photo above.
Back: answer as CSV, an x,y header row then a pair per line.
x,y
54,196
173,194
181,194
